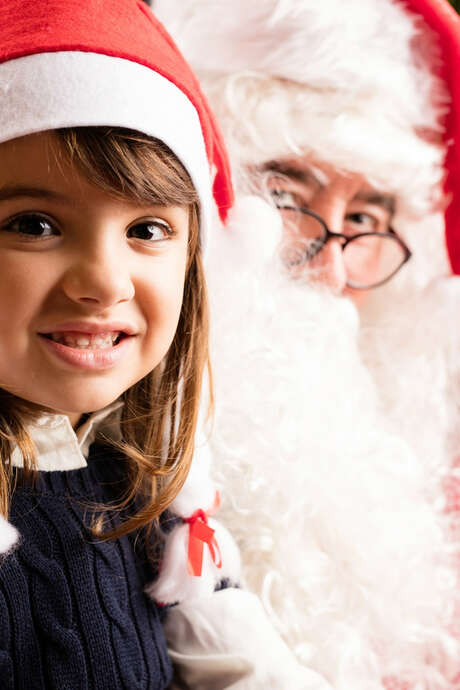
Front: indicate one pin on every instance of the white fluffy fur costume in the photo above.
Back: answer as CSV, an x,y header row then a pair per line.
x,y
334,486
292,76
334,513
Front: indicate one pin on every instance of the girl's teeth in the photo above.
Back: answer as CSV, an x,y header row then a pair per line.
x,y
101,341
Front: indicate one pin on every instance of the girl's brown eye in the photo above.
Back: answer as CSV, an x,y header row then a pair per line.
x,y
31,225
152,231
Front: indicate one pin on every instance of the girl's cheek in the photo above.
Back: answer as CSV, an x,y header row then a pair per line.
x,y
160,297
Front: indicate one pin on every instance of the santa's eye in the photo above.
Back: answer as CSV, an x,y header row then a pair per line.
x,y
364,222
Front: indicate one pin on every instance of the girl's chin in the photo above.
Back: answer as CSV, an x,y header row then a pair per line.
x,y
74,406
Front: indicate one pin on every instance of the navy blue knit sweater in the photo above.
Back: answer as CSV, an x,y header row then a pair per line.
x,y
73,613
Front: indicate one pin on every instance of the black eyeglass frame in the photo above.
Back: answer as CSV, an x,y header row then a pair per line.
x,y
328,234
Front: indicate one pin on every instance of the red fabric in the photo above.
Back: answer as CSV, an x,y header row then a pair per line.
x,y
200,534
440,16
122,28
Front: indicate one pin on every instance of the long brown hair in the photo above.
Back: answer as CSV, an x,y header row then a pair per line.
x,y
160,411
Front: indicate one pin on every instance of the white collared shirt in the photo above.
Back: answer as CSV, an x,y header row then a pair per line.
x,y
61,448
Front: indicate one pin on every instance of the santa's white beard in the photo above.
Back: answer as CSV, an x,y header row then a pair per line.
x,y
410,341
339,522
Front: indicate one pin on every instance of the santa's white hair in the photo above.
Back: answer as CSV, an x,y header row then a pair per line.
x,y
351,87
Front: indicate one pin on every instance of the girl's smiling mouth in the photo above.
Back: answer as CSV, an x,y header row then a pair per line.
x,y
88,346
87,341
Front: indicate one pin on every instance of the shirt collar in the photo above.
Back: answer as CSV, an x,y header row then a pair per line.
x,y
59,447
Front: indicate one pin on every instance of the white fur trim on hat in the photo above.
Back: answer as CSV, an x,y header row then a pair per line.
x,y
77,89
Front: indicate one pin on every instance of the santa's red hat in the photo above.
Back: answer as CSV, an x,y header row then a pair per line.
x,y
440,16
69,63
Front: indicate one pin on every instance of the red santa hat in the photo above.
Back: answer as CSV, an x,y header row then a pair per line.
x,y
71,63
341,88
440,16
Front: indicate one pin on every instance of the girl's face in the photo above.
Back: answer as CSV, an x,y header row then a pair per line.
x,y
90,286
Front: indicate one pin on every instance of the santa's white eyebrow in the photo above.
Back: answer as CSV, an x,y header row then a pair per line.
x,y
386,201
315,174
296,173
319,176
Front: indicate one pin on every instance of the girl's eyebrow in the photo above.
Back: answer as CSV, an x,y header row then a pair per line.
x,y
15,191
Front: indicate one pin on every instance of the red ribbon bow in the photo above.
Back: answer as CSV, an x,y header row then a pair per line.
x,y
199,534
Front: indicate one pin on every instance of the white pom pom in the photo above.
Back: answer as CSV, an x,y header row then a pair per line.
x,y
253,230
8,536
261,237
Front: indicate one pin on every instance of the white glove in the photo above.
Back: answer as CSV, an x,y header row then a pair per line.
x,y
226,640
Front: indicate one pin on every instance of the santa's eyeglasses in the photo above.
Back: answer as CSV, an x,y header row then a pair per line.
x,y
371,258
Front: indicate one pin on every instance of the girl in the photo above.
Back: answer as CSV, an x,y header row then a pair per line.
x,y
106,145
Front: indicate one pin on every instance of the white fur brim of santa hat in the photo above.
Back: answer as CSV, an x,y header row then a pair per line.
x,y
294,76
80,64
73,89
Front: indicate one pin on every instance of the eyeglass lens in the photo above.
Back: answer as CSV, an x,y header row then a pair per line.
x,y
369,260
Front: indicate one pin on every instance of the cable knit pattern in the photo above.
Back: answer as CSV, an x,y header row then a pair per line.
x,y
73,613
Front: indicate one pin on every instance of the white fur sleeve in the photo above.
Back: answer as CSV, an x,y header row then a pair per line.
x,y
225,640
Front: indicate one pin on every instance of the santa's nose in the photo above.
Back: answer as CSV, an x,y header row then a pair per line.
x,y
328,267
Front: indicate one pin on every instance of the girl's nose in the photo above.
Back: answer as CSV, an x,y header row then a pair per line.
x,y
328,267
99,277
